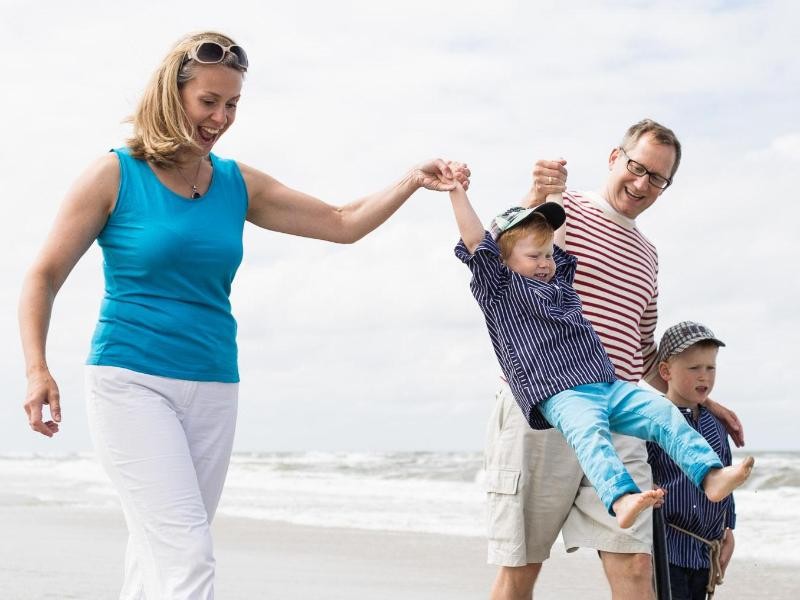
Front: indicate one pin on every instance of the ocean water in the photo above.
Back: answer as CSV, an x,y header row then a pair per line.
x,y
400,491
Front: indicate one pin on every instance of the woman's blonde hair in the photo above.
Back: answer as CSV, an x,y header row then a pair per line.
x,y
160,125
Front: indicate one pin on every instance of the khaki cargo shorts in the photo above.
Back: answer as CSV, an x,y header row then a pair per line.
x,y
536,488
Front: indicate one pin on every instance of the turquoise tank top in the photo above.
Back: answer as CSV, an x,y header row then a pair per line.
x,y
169,263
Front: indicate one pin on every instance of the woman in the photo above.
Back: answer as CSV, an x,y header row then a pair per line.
x,y
162,377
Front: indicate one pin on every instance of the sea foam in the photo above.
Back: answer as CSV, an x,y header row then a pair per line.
x,y
429,492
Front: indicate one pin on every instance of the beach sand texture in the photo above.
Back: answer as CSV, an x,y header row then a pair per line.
x,y
60,554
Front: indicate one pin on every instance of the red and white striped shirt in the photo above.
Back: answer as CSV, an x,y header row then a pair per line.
x,y
616,280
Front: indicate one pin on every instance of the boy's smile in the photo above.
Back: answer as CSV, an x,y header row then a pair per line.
x,y
533,259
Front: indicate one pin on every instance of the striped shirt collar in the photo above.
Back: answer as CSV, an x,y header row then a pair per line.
x,y
609,211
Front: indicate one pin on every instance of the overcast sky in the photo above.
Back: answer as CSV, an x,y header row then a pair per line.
x,y
380,346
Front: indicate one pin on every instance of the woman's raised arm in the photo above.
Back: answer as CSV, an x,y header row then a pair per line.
x,y
277,207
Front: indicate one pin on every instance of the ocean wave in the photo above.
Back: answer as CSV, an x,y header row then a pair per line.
x,y
451,466
432,492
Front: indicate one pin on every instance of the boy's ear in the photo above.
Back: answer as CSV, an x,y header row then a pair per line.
x,y
663,370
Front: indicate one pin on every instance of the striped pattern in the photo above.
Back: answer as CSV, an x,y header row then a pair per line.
x,y
686,505
616,280
543,343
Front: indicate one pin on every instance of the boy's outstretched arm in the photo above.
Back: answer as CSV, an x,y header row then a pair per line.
x,y
469,225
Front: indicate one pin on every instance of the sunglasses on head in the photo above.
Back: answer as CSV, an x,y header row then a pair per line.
x,y
211,53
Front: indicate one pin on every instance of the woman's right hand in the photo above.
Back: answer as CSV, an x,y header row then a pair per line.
x,y
42,389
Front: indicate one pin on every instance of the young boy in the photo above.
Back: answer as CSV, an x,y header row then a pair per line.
x,y
556,365
687,357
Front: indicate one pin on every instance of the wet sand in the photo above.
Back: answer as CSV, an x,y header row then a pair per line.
x,y
70,553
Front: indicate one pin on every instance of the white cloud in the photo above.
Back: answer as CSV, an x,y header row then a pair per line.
x,y
786,147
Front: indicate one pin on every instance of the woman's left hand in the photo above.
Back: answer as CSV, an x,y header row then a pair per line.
x,y
437,175
461,172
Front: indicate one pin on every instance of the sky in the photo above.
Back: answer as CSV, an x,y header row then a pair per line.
x,y
380,346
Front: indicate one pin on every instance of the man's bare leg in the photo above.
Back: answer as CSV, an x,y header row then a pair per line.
x,y
630,576
515,583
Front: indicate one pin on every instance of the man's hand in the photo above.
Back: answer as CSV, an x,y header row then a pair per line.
x,y
549,177
729,419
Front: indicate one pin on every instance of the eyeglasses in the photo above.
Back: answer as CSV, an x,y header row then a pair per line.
x,y
212,53
639,169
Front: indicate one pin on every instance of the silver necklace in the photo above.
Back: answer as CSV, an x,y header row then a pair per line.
x,y
195,193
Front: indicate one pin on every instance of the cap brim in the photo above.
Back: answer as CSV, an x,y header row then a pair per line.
x,y
686,344
553,212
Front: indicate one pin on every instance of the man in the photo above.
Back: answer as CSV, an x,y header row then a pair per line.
x,y
534,483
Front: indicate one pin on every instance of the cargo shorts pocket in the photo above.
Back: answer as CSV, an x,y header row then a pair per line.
x,y
504,510
502,481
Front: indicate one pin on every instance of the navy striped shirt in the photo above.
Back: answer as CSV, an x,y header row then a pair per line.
x,y
685,505
541,339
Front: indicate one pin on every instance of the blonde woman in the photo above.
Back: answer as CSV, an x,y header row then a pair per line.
x,y
162,376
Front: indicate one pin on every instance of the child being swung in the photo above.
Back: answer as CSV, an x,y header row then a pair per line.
x,y
557,367
697,529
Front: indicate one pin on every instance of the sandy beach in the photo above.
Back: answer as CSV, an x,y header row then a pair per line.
x,y
68,553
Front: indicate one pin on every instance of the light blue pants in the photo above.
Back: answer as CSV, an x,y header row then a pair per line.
x,y
587,414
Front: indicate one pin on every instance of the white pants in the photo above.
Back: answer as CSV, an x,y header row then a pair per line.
x,y
166,445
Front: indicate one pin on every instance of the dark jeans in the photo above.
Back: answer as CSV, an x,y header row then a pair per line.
x,y
688,584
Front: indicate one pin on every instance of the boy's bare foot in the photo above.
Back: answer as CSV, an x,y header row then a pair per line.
x,y
628,506
719,483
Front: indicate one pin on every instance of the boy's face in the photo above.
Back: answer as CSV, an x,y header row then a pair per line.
x,y
690,375
532,256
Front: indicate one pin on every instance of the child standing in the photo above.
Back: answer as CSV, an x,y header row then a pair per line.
x,y
557,367
699,533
